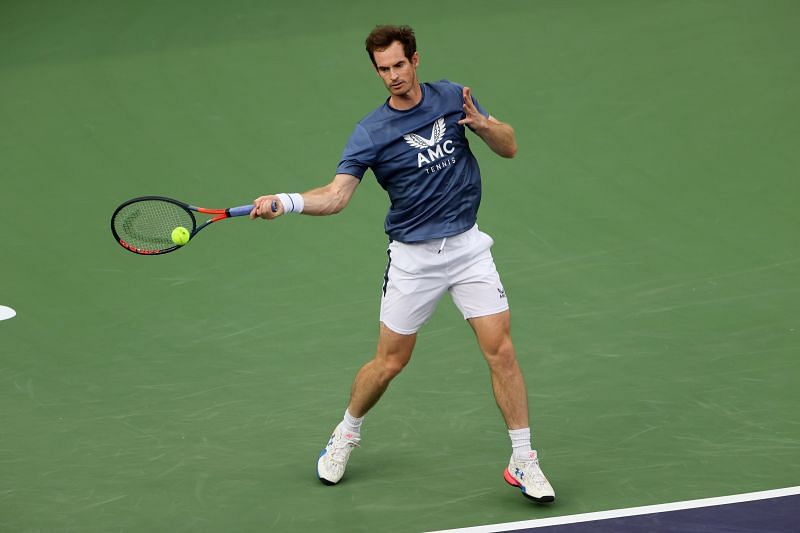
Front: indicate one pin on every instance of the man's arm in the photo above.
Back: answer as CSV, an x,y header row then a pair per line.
x,y
327,200
499,136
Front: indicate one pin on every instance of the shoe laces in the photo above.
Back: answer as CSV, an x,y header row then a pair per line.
x,y
531,470
341,446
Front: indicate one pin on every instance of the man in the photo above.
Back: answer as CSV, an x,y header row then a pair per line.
x,y
416,145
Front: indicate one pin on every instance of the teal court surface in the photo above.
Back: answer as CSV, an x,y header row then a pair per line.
x,y
646,234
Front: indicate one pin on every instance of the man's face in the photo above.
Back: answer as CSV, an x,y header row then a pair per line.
x,y
397,72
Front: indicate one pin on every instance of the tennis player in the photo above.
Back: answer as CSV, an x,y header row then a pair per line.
x,y
416,145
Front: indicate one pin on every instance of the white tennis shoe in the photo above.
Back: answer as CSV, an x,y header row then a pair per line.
x,y
530,479
333,459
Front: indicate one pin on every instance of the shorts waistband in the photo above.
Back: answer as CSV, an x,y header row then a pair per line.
x,y
441,243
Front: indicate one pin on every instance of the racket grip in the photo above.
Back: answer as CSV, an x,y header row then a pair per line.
x,y
240,211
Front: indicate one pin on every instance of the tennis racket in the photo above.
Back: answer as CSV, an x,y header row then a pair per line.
x,y
144,225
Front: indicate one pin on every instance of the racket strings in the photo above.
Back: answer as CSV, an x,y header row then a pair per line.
x,y
148,224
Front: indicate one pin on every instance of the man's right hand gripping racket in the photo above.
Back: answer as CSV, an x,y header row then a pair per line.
x,y
145,225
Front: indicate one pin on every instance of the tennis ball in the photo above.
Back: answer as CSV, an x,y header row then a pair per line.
x,y
180,235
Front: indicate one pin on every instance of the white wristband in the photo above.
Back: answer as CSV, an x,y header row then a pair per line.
x,y
292,203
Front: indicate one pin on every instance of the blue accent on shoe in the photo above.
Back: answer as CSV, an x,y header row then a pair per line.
x,y
319,477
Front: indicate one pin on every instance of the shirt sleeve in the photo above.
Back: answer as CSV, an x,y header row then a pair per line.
x,y
358,155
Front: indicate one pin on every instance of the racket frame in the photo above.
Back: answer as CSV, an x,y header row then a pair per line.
x,y
219,214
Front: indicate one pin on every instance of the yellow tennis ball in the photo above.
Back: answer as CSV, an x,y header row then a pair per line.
x,y
180,235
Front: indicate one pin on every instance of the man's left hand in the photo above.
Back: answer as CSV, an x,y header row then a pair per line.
x,y
472,117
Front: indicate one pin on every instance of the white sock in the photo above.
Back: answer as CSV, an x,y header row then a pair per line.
x,y
352,423
521,443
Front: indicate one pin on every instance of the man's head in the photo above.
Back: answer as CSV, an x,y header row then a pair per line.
x,y
393,52
382,36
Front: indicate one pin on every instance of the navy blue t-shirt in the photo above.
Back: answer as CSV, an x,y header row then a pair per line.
x,y
421,157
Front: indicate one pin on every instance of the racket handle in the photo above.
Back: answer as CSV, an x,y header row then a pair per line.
x,y
240,211
243,210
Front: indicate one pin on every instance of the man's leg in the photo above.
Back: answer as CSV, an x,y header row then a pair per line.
x,y
494,337
391,356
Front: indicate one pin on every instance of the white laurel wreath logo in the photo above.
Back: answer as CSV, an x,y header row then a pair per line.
x,y
437,134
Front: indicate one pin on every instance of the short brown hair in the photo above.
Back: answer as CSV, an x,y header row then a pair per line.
x,y
383,36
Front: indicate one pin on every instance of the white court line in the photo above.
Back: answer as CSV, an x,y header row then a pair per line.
x,y
631,511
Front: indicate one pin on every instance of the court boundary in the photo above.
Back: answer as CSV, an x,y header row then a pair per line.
x,y
630,511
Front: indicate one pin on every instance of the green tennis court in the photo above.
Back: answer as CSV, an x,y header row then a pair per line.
x,y
646,233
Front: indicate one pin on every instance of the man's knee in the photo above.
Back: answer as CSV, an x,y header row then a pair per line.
x,y
392,365
394,352
501,355
502,350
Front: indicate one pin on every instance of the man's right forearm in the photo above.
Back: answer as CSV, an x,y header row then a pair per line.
x,y
327,200
331,198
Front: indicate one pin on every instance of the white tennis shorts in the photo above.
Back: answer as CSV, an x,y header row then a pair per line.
x,y
418,274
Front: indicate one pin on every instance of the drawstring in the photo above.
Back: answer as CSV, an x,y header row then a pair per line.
x,y
442,246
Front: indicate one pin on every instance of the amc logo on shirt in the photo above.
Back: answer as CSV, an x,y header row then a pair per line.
x,y
432,148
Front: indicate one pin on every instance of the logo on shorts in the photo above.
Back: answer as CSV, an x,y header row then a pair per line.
x,y
502,293
432,148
